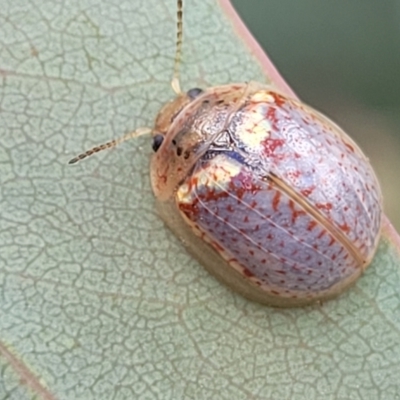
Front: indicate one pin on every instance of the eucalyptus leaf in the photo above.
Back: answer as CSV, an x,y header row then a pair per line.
x,y
98,300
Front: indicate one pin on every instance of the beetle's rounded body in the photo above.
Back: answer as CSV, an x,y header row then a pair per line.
x,y
273,198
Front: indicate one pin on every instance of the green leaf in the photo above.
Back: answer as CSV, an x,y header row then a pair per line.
x,y
98,300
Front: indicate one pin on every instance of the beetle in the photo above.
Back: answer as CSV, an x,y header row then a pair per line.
x,y
269,194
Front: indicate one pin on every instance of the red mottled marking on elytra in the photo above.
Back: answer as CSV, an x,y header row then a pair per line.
x,y
345,228
351,148
271,114
213,195
271,117
247,272
280,271
246,219
230,208
295,213
308,191
191,210
246,185
332,241
278,98
311,225
193,181
324,206
294,174
276,200
253,204
270,145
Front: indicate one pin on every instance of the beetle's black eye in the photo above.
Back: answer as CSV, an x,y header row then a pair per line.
x,y
194,92
157,142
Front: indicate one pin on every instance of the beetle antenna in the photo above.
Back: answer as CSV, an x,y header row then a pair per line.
x,y
179,35
108,145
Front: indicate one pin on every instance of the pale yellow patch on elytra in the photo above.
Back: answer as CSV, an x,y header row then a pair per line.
x,y
262,96
255,126
254,134
216,175
183,194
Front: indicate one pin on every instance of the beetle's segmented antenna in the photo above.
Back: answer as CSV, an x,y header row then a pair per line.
x,y
179,35
110,144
